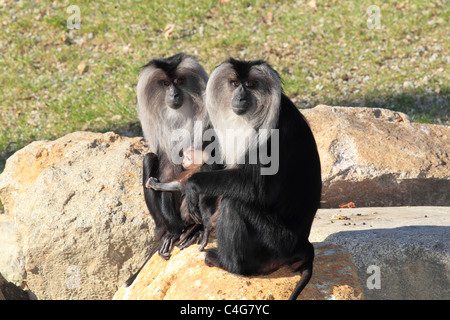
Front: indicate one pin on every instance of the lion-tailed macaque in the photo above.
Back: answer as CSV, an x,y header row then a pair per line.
x,y
264,220
170,94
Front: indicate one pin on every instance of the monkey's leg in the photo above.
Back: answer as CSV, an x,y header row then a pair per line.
x,y
193,231
240,249
212,258
153,199
174,224
190,235
209,209
161,208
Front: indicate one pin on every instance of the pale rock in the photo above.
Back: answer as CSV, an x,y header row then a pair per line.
x,y
377,157
186,277
81,226
78,209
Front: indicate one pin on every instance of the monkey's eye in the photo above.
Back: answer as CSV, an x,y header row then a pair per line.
x,y
250,83
178,81
235,83
166,83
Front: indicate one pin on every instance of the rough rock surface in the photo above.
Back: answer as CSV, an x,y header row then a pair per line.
x,y
76,225
413,261
329,221
78,210
185,276
12,262
409,245
377,157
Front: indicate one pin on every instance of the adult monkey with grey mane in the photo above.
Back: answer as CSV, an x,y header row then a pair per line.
x,y
170,97
264,220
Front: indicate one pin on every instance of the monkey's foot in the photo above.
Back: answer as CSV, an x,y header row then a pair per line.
x,y
167,242
151,183
204,239
190,235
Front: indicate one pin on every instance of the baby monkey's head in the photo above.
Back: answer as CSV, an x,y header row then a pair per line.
x,y
193,157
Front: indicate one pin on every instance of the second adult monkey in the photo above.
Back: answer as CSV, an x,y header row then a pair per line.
x,y
170,97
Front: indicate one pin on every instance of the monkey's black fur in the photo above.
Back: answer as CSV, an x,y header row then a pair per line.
x,y
169,65
242,67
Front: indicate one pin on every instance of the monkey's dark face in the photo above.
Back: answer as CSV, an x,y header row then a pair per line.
x,y
174,92
242,95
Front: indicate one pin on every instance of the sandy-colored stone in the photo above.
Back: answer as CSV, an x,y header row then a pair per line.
x,y
329,221
377,157
185,276
76,205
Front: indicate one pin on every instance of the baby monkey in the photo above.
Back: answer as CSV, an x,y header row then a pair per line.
x,y
189,164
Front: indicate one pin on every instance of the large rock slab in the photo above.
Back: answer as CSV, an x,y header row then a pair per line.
x,y
77,207
329,221
186,277
377,157
81,227
413,262
407,248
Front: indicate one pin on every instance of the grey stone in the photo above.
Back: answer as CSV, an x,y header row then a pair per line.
x,y
414,261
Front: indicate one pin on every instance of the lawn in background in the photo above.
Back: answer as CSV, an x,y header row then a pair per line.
x,y
55,80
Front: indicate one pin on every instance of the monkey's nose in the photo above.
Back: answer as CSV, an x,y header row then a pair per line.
x,y
239,106
175,101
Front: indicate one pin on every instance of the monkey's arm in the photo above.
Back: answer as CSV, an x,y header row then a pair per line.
x,y
174,185
231,183
177,184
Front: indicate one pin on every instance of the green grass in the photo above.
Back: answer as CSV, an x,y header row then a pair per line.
x,y
325,56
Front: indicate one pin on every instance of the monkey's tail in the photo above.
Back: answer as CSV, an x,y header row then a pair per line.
x,y
306,274
133,277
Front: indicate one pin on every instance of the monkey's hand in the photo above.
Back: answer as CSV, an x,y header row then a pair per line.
x,y
151,183
192,193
